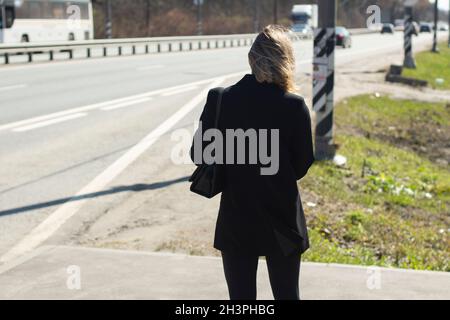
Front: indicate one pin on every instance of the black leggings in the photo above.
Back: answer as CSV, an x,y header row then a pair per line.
x,y
240,274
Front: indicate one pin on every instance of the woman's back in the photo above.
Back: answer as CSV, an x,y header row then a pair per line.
x,y
267,148
261,146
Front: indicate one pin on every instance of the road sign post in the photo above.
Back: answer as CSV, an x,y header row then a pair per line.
x,y
275,11
256,16
323,79
108,20
199,4
407,36
436,18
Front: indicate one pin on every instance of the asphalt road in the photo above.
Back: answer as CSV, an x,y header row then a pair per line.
x,y
63,124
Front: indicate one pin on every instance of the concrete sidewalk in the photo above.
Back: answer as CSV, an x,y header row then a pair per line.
x,y
117,274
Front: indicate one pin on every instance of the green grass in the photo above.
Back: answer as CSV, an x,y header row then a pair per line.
x,y
431,66
366,111
389,205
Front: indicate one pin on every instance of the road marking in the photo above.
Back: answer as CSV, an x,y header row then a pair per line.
x,y
153,67
55,220
13,87
174,92
111,102
126,104
49,122
344,54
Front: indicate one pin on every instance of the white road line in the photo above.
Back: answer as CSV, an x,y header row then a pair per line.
x,y
153,67
107,103
13,87
126,104
49,122
55,220
174,92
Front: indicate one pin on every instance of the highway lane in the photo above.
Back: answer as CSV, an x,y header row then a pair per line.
x,y
77,83
58,86
42,162
72,84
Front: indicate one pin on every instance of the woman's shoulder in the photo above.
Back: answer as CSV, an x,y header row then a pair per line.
x,y
294,98
296,104
215,91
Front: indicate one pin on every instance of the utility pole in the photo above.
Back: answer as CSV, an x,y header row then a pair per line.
x,y
407,36
108,20
275,11
199,4
256,16
436,19
449,23
147,18
323,79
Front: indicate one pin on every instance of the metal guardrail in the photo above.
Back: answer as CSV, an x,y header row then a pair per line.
x,y
149,45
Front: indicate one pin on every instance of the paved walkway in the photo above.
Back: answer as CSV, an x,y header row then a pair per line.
x,y
117,274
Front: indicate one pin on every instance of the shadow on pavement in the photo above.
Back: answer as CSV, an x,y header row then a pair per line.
x,y
134,188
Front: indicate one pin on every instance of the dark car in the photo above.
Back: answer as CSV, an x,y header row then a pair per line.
x,y
387,28
343,37
426,27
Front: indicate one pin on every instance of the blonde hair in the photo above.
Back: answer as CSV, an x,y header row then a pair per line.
x,y
271,58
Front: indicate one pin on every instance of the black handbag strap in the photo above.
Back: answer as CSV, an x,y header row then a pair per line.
x,y
218,107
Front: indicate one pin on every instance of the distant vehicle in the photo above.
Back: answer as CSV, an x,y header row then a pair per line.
x,y
426,27
388,28
399,24
443,27
416,30
45,21
305,14
343,37
303,30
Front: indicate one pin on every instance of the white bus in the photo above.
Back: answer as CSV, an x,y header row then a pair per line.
x,y
45,20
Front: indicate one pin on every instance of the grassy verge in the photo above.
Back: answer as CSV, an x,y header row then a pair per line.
x,y
389,205
431,66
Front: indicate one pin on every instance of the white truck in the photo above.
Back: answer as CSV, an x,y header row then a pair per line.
x,y
304,19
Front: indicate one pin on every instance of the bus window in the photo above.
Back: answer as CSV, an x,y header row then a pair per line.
x,y
58,11
9,17
22,11
50,9
35,10
84,9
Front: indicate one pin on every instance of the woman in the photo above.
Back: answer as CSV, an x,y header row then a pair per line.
x,y
261,214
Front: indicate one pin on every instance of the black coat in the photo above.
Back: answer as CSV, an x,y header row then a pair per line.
x,y
262,214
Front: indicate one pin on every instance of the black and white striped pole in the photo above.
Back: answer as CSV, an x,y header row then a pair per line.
x,y
407,36
323,79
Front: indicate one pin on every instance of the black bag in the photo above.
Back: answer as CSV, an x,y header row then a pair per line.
x,y
208,180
